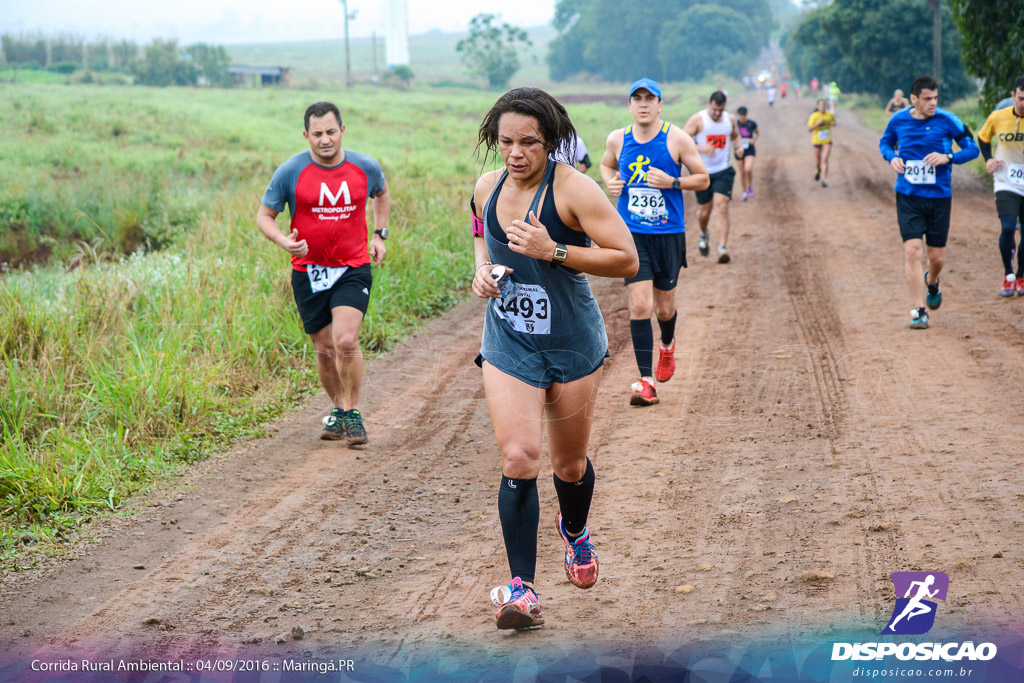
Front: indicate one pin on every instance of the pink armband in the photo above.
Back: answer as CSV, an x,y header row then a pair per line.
x,y
478,226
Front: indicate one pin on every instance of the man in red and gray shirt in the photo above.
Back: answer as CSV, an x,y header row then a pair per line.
x,y
327,189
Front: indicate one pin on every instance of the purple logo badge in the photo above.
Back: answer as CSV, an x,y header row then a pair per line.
x,y
915,608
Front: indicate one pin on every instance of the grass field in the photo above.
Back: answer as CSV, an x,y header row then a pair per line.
x,y
116,369
432,58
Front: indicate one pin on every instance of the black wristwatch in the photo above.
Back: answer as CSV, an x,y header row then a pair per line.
x,y
383,232
950,157
675,183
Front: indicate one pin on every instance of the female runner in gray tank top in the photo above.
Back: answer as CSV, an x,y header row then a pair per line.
x,y
544,342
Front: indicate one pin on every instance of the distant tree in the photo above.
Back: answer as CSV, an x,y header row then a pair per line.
x,y
875,46
25,50
403,74
616,41
124,54
163,65
67,48
490,51
211,62
97,55
722,45
993,44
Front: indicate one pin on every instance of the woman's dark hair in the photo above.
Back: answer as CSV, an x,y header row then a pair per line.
x,y
551,117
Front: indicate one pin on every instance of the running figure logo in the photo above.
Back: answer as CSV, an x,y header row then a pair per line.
x,y
914,613
637,167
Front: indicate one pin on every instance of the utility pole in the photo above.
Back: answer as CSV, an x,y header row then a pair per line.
x,y
936,40
348,59
376,74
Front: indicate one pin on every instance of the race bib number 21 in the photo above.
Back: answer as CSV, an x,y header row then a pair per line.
x,y
322,278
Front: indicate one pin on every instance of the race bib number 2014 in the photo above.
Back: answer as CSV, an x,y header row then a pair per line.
x,y
919,173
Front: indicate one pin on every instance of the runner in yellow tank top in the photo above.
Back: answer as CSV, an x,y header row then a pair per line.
x,y
820,125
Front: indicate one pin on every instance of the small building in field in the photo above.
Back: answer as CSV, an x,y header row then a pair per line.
x,y
261,75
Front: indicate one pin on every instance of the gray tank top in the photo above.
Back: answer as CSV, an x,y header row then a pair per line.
x,y
552,330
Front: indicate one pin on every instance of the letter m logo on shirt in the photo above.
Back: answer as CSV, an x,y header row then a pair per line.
x,y
325,193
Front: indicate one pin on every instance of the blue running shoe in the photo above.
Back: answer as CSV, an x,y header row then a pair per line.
x,y
934,296
918,319
580,557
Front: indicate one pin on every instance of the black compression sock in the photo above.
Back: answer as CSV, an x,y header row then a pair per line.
x,y
643,345
574,500
668,329
519,512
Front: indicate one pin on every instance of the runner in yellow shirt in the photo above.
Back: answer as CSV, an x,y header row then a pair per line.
x,y
820,126
1007,168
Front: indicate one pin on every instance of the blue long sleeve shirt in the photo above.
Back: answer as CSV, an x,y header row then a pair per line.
x,y
913,139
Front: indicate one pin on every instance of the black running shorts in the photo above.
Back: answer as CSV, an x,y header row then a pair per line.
x,y
352,289
923,218
750,151
1010,204
661,257
721,183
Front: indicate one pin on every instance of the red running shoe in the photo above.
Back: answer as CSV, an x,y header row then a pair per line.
x,y
666,366
643,393
580,557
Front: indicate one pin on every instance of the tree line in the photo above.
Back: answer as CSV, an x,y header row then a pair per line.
x,y
159,63
672,39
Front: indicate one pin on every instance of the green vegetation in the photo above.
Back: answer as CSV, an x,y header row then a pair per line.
x,y
162,62
680,39
993,33
117,368
491,51
874,47
432,56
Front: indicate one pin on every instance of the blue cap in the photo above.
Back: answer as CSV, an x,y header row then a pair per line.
x,y
648,84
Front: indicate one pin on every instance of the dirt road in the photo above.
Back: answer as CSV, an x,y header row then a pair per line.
x,y
807,429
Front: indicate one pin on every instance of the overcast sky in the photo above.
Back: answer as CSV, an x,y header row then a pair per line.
x,y
249,21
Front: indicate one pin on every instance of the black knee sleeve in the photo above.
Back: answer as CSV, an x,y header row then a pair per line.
x,y
519,512
668,329
643,345
1008,241
574,500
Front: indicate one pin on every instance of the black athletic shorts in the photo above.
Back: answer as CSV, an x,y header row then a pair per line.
x,y
721,183
923,218
661,257
352,289
748,152
1010,204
